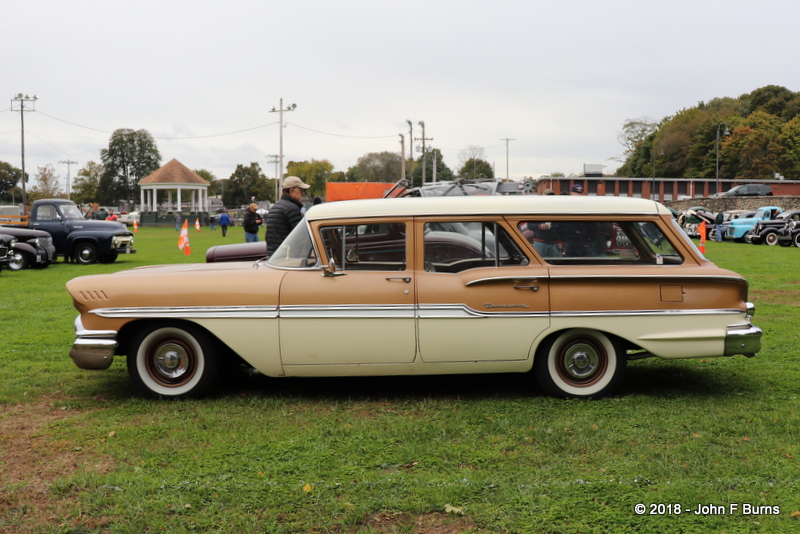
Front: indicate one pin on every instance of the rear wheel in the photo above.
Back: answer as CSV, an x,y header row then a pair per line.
x,y
580,363
796,239
173,362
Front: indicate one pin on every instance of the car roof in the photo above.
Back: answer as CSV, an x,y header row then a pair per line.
x,y
486,205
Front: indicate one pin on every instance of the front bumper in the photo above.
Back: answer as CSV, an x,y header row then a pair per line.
x,y
93,349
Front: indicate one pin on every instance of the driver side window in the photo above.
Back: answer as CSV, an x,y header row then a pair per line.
x,y
366,247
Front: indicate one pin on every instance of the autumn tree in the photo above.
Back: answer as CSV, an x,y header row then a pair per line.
x,y
131,156
47,184
470,153
87,182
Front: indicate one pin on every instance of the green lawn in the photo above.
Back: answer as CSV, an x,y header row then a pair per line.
x,y
81,452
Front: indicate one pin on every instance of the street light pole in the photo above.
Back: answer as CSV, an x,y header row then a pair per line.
x,y
21,100
507,139
280,111
727,132
68,163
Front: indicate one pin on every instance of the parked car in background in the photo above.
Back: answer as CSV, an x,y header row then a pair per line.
x,y
749,190
34,248
768,231
128,218
738,228
692,217
6,249
427,286
790,234
728,216
457,188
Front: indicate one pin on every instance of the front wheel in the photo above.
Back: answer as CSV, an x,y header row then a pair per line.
x,y
580,363
85,253
796,239
771,239
19,260
173,362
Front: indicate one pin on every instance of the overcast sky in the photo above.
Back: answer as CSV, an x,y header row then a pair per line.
x,y
558,77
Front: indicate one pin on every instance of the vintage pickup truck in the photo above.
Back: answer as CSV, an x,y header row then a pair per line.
x,y
738,228
74,237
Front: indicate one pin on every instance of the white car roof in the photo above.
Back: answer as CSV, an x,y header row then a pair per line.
x,y
486,205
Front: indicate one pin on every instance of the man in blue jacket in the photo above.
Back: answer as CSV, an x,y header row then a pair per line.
x,y
285,214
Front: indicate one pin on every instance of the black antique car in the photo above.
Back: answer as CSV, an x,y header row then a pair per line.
x,y
768,232
6,247
34,248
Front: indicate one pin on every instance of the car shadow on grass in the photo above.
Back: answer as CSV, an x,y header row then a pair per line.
x,y
649,378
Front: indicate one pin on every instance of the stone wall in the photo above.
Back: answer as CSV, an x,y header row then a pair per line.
x,y
736,203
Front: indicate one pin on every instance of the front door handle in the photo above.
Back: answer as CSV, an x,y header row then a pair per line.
x,y
406,279
532,288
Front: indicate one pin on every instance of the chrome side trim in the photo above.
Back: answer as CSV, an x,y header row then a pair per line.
x,y
190,312
504,279
643,276
644,313
366,311
461,311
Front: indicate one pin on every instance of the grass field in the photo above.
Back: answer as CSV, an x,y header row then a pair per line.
x,y
81,452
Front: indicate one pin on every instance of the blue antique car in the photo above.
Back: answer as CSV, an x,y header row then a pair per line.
x,y
738,228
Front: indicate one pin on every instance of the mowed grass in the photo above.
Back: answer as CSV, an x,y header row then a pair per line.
x,y
448,454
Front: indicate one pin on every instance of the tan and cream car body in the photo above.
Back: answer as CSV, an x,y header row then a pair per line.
x,y
427,286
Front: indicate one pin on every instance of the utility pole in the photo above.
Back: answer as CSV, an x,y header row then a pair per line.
x,y
507,139
402,156
275,159
410,149
280,112
20,99
423,138
68,163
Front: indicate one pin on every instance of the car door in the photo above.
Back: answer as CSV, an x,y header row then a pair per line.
x,y
481,295
48,218
363,313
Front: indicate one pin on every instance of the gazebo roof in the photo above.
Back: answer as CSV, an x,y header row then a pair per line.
x,y
174,172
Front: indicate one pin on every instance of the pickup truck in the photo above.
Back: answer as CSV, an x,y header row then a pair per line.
x,y
85,241
738,228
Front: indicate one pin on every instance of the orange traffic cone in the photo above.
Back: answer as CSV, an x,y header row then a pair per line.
x,y
701,230
135,226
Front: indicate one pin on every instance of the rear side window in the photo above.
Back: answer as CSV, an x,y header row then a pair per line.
x,y
455,246
595,242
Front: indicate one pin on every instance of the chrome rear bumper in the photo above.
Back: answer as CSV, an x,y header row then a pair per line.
x,y
742,339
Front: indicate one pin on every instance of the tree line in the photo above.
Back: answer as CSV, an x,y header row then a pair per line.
x,y
755,136
132,155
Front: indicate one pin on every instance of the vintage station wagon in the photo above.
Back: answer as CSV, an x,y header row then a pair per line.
x,y
417,286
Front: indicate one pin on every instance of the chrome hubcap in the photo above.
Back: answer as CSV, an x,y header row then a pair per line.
x,y
171,361
581,361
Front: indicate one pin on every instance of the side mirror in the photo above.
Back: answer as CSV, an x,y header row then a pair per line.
x,y
329,271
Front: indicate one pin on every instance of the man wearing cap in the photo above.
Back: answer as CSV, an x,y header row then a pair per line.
x,y
285,214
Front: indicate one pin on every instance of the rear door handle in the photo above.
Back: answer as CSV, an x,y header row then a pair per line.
x,y
532,288
405,279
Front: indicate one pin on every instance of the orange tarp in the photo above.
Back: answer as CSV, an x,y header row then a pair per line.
x,y
354,190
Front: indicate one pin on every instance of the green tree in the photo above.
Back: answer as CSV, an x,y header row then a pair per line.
x,y
87,182
379,167
9,178
475,168
214,187
247,184
443,172
131,156
315,173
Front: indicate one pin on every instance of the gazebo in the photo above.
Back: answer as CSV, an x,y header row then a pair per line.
x,y
174,176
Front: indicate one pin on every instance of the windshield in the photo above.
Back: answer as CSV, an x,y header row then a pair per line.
x,y
70,211
297,251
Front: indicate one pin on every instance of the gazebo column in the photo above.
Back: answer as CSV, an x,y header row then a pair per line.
x,y
178,209
141,200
